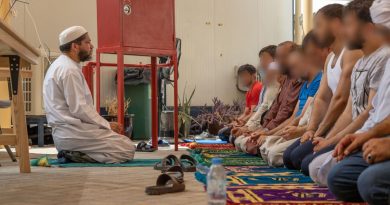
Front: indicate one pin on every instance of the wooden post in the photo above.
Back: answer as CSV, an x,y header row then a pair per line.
x,y
19,115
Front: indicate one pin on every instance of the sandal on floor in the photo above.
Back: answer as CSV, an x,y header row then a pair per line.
x,y
175,171
143,147
188,163
167,162
165,184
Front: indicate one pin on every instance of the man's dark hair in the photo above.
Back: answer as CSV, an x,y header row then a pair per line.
x,y
361,8
299,49
66,47
291,45
311,38
332,11
247,68
271,50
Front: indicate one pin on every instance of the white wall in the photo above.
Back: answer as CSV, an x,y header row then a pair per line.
x,y
263,22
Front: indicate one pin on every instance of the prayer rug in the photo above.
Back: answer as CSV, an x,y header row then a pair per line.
x,y
206,141
134,163
267,178
251,182
256,169
273,178
212,146
237,161
279,194
229,157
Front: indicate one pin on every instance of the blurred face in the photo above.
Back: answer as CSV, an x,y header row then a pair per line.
x,y
282,53
85,49
246,78
272,76
265,60
298,65
354,31
323,30
315,56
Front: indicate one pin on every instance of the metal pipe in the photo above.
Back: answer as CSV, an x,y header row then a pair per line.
x,y
154,105
120,88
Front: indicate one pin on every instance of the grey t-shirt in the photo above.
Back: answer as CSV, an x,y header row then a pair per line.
x,y
366,75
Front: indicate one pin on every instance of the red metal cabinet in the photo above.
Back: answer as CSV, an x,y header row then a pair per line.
x,y
140,27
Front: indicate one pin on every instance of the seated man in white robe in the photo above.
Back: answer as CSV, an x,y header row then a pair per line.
x,y
80,134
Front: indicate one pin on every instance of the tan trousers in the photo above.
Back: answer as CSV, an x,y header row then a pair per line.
x,y
273,148
240,143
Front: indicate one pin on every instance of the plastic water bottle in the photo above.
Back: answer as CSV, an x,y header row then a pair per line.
x,y
216,183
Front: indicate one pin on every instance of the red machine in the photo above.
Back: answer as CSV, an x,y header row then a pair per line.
x,y
140,28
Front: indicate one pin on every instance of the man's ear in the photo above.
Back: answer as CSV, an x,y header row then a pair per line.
x,y
75,46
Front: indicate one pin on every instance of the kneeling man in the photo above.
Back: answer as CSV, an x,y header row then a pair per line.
x,y
79,132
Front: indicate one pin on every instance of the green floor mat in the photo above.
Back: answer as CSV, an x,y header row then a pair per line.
x,y
134,163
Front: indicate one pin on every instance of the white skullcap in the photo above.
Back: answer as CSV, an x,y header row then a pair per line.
x,y
71,34
273,66
380,12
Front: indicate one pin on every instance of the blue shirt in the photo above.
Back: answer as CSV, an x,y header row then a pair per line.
x,y
308,90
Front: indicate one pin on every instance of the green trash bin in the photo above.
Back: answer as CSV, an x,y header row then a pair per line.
x,y
140,107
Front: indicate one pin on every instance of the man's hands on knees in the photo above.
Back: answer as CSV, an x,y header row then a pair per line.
x,y
309,135
116,127
351,143
321,143
291,132
376,150
255,135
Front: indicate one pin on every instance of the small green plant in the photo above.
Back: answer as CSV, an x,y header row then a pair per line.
x,y
185,118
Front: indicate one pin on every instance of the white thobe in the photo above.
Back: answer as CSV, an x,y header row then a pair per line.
x,y
76,126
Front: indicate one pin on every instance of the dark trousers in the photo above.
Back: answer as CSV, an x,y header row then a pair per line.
x,y
294,155
224,133
310,157
353,180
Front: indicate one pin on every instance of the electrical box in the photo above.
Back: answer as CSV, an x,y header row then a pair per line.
x,y
139,27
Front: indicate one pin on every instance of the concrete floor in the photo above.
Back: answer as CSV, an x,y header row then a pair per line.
x,y
90,185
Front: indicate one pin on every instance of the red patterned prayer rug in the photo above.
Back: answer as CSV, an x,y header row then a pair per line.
x,y
211,146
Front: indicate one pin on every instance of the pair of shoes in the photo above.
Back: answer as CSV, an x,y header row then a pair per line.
x,y
170,181
161,143
186,162
143,147
61,158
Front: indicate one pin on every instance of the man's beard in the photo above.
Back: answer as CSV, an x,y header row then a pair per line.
x,y
356,44
84,56
284,69
329,39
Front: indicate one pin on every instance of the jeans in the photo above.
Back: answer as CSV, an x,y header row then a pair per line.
x,y
353,180
294,154
224,133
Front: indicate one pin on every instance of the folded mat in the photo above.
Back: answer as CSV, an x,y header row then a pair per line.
x,y
46,162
